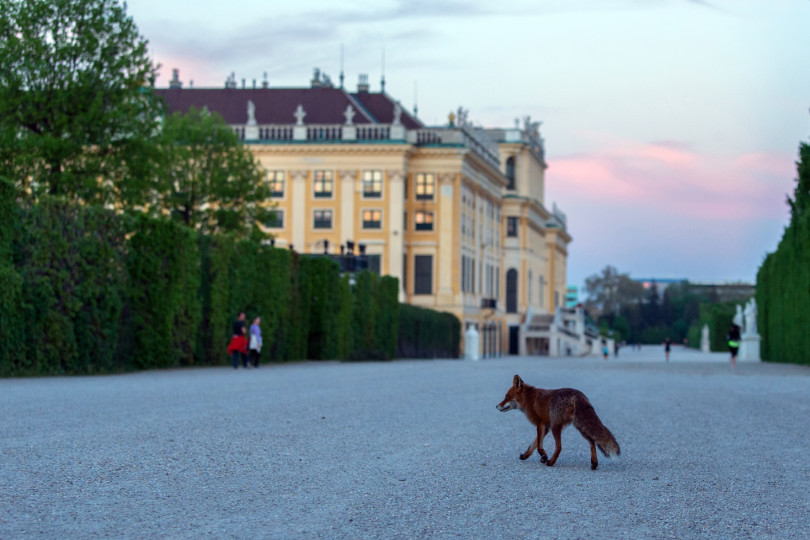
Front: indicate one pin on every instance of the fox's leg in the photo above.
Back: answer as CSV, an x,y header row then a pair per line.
x,y
594,461
541,433
557,432
528,453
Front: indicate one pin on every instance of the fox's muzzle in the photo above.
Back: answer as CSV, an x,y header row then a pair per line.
x,y
508,406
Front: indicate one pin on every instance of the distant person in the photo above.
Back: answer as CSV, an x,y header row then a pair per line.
x,y
667,347
616,349
733,338
239,343
255,341
605,350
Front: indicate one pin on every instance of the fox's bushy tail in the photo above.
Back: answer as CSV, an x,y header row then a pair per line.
x,y
586,421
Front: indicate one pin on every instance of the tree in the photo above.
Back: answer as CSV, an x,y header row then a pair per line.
x,y
206,178
609,291
75,100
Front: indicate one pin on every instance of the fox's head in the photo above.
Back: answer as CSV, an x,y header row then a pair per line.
x,y
510,401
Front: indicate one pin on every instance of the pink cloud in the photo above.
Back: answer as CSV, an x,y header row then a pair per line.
x,y
677,180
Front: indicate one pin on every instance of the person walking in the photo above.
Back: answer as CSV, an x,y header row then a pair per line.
x,y
255,341
733,338
667,347
238,344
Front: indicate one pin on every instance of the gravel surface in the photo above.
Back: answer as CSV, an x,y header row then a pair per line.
x,y
407,449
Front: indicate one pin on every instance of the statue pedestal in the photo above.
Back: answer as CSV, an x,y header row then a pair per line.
x,y
749,348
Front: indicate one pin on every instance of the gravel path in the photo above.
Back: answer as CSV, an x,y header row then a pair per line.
x,y
408,449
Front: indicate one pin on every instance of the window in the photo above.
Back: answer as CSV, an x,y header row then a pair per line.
x,y
275,181
511,290
372,219
275,220
373,264
423,274
425,186
322,219
510,173
372,184
324,184
512,226
424,220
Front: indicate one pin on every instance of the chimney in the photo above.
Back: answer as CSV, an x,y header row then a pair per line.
x,y
265,84
243,83
362,83
254,84
175,82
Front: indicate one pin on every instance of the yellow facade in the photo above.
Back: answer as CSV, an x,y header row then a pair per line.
x,y
455,212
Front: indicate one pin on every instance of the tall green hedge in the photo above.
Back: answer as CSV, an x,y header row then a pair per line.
x,y
783,281
164,309
783,297
70,260
86,290
12,315
424,333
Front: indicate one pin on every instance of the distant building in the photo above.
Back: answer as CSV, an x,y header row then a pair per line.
x,y
719,292
571,296
455,212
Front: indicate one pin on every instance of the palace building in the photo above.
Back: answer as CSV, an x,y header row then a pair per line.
x,y
455,212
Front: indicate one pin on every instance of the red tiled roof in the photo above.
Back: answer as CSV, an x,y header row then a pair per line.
x,y
323,105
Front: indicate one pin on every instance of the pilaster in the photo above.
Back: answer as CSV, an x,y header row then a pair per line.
x,y
447,240
298,222
396,206
348,179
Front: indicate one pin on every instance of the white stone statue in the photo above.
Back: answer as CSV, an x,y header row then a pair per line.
x,y
349,114
750,318
704,339
299,115
738,317
397,113
251,110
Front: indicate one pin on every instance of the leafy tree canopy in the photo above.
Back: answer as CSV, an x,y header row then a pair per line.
x,y
609,291
206,178
75,103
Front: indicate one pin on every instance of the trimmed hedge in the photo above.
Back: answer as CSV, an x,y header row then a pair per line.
x,y
164,309
12,314
85,290
783,281
424,333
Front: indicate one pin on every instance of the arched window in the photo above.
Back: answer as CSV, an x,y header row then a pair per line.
x,y
511,290
510,172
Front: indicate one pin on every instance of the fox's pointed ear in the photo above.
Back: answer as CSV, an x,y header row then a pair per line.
x,y
517,382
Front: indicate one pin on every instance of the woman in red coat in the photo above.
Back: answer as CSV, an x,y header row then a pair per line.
x,y
239,343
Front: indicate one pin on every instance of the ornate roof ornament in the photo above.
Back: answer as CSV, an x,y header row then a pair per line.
x,y
299,115
349,114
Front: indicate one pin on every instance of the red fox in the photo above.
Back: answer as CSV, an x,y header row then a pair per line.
x,y
553,410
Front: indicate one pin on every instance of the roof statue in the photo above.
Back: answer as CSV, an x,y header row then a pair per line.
x,y
251,111
397,114
349,114
299,115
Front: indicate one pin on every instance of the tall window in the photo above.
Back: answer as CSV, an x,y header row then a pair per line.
x,y
511,290
510,173
424,220
372,219
512,227
275,220
275,181
372,184
324,184
425,186
423,274
322,219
